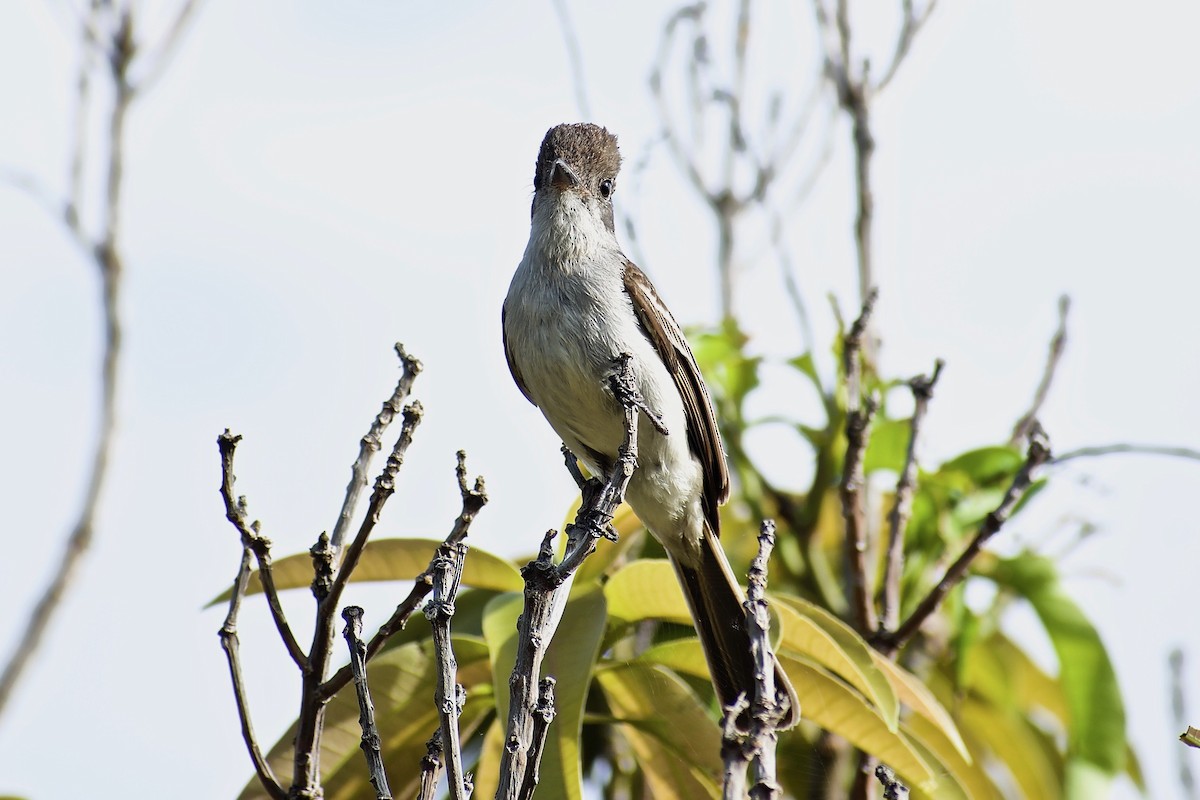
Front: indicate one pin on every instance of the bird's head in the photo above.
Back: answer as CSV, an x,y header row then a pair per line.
x,y
577,169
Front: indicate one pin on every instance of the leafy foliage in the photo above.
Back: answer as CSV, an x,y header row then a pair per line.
x,y
966,713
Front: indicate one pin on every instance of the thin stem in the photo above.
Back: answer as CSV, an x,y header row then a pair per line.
x,y
370,745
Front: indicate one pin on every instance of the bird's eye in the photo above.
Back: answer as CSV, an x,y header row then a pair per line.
x,y
606,188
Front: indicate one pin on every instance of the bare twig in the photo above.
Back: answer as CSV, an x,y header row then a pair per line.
x,y
547,585
543,715
450,696
230,644
116,51
353,615
1127,447
892,788
922,390
306,776
909,26
431,767
1037,455
755,746
858,423
1058,343
235,512
473,500
574,56
371,442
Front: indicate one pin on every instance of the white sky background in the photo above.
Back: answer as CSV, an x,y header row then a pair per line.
x,y
308,184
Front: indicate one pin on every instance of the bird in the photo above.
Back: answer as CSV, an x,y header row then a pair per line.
x,y
575,304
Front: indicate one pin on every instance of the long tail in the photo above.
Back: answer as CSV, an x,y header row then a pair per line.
x,y
715,598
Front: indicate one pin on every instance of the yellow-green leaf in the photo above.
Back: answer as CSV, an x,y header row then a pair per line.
x,y
646,589
916,696
812,632
393,560
1015,744
676,743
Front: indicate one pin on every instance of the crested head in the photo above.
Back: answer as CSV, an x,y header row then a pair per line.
x,y
590,151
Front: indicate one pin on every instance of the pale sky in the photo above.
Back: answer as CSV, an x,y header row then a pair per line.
x,y
310,183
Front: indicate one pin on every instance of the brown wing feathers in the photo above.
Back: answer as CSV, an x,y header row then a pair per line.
x,y
703,436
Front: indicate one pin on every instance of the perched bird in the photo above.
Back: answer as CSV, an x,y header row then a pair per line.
x,y
575,304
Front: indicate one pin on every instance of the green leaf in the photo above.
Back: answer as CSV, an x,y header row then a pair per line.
x,y
646,589
888,446
675,742
1096,733
812,632
836,706
986,464
914,695
393,560
1015,744
569,659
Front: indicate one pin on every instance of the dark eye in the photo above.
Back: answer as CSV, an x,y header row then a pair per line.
x,y
606,188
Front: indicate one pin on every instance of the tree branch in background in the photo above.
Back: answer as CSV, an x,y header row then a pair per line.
x,y
371,442
851,80
756,746
726,197
1126,447
449,696
230,644
1058,343
107,45
547,585
922,390
1037,455
366,709
858,424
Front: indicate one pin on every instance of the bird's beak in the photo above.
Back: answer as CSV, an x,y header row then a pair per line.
x,y
562,177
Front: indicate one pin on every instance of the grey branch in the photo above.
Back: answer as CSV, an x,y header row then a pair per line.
x,y
922,390
371,442
547,585
1058,344
116,52
1129,448
235,512
431,767
543,715
858,425
370,745
447,570
755,747
230,644
473,500
329,582
892,788
1037,455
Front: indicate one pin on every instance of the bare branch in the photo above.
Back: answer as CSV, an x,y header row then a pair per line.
x,y
160,59
473,500
755,746
366,709
892,788
431,767
543,715
910,25
547,586
235,512
574,56
1058,343
1037,455
858,424
1127,447
922,390
449,695
230,644
371,442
